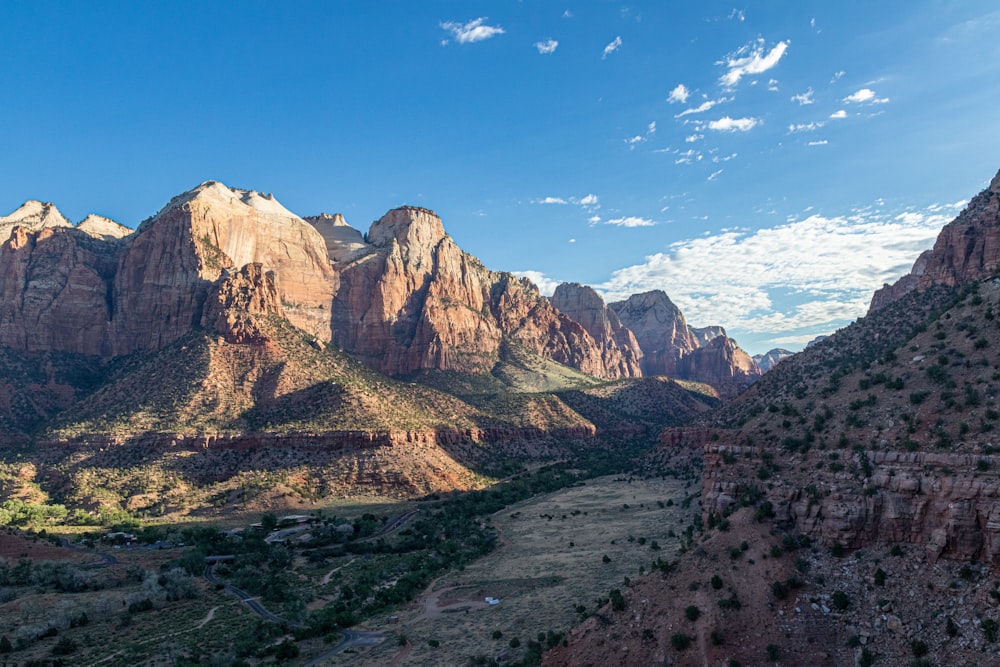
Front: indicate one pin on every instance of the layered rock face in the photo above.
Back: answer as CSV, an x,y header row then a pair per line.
x,y
619,347
952,515
165,271
671,347
343,242
966,250
33,216
236,301
54,291
413,301
721,364
660,329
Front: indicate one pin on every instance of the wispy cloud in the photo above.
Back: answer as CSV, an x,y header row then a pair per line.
x,y
865,95
821,142
814,272
475,30
550,200
630,221
727,124
805,127
612,47
679,95
751,59
546,47
590,200
634,141
804,98
714,175
840,113
691,138
738,15
703,107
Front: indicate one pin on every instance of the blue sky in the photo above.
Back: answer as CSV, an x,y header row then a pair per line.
x,y
766,164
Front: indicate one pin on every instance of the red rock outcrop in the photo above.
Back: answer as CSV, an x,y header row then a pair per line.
x,y
721,364
967,249
54,290
660,329
166,269
619,348
940,501
236,301
414,300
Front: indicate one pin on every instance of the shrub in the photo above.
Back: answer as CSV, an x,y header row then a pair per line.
x,y
990,629
780,590
841,601
919,648
692,613
880,577
497,634
716,582
773,651
680,641
617,600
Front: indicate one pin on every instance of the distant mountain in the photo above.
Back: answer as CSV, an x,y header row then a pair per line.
x,y
673,348
769,359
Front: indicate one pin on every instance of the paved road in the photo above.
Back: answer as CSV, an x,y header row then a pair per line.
x,y
106,557
394,524
352,639
250,600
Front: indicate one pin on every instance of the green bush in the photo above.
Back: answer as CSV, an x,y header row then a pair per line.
x,y
680,641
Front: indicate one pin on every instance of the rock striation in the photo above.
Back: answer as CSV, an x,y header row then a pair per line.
x,y
721,364
237,300
619,348
967,249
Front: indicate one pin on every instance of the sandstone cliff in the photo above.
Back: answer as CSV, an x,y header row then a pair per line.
x,y
619,347
966,250
167,267
33,216
54,290
671,347
413,300
660,329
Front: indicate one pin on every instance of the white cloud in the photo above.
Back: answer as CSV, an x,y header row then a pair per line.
x,y
727,124
632,141
551,200
473,31
714,175
840,113
805,127
545,284
865,95
804,98
594,219
691,138
772,85
630,221
821,142
837,76
572,241
567,14
589,200
738,14
548,46
651,128
814,272
679,95
612,47
703,107
751,59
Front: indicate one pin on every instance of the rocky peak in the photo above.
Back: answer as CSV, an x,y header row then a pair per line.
x,y
722,364
416,230
618,345
103,228
705,335
33,215
343,242
771,358
660,329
